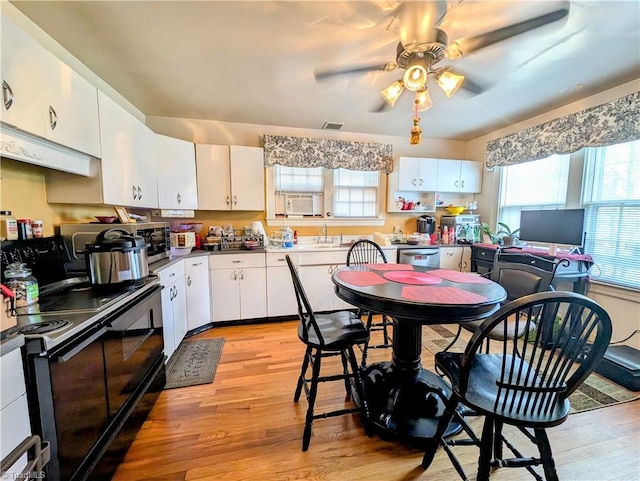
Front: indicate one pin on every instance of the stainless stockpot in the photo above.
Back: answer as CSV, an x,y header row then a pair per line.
x,y
117,258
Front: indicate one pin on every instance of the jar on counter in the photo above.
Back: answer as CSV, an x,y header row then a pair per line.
x,y
8,226
37,229
22,283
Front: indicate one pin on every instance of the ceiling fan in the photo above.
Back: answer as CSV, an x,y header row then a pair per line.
x,y
423,46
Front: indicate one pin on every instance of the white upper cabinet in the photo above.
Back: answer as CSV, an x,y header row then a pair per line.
x,y
176,170
72,113
128,151
43,96
23,69
417,174
230,178
459,176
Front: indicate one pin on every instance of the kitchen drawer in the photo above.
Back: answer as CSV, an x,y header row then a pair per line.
x,y
276,259
16,427
232,261
169,274
323,258
11,378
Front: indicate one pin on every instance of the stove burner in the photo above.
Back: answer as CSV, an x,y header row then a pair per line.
x,y
43,327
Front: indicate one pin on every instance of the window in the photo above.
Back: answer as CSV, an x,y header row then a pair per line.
x,y
540,184
355,193
611,197
340,195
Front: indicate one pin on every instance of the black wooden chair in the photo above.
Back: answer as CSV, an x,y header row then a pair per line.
x,y
522,383
368,252
520,274
325,335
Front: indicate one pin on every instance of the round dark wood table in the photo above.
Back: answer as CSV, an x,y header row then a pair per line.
x,y
405,399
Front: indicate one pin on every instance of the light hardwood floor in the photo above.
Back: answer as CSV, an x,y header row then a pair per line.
x,y
245,426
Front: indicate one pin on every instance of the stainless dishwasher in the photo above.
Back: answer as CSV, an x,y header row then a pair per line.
x,y
419,256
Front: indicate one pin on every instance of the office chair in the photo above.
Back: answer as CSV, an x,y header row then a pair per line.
x,y
325,335
520,382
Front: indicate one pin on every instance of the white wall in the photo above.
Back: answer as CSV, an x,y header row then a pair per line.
x,y
623,305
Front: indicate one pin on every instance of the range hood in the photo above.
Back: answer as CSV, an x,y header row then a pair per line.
x,y
18,145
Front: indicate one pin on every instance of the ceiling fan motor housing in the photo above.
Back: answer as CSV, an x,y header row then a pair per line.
x,y
433,48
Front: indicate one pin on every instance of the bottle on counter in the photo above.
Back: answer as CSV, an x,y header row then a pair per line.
x,y
295,236
24,229
22,283
445,235
8,226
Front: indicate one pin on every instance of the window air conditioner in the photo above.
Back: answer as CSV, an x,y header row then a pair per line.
x,y
302,204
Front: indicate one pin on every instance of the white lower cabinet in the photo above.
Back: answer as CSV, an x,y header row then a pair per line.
x,y
174,306
14,412
238,286
320,288
455,258
198,292
281,297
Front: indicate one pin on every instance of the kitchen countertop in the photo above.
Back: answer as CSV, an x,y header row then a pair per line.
x,y
11,343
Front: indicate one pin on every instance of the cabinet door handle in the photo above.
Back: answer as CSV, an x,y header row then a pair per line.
x,y
173,274
139,193
413,181
171,296
7,95
456,183
53,118
450,254
234,276
179,198
134,192
196,264
228,200
188,280
462,183
421,181
235,200
242,275
237,261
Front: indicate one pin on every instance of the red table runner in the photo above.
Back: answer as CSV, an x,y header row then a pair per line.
x,y
444,295
361,278
405,277
455,276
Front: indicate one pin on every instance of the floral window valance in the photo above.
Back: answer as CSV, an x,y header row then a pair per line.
x,y
330,154
615,122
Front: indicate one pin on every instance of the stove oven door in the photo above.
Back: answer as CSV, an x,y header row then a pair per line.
x,y
132,346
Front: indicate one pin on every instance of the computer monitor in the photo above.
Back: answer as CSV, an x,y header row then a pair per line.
x,y
559,226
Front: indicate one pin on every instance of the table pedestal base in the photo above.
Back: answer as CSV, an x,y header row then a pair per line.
x,y
406,405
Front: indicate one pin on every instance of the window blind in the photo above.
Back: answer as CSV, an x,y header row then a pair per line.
x,y
611,197
299,179
540,184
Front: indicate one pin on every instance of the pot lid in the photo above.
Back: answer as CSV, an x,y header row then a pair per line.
x,y
116,239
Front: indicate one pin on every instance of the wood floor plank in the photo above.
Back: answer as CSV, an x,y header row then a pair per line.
x,y
245,426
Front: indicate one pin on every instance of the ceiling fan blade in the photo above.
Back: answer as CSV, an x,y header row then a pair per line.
x,y
321,74
382,107
471,44
472,87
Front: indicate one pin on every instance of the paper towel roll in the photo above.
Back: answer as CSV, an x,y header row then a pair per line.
x,y
257,229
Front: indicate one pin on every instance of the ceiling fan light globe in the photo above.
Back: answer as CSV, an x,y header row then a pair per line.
x,y
453,51
449,82
423,101
415,78
392,92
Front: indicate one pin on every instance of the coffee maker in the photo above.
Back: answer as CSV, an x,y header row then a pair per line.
x,y
426,224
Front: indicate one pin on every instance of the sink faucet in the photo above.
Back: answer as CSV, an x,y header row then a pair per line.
x,y
324,232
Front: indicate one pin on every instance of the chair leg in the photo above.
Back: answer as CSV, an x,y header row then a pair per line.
x,y
359,386
486,445
548,463
345,373
365,346
313,391
432,445
303,372
497,440
385,330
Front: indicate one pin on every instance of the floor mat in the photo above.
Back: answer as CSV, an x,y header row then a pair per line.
x,y
194,362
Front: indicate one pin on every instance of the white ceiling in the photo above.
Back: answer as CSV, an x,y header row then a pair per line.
x,y
253,62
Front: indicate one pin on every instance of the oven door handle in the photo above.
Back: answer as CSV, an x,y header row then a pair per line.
x,y
68,355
